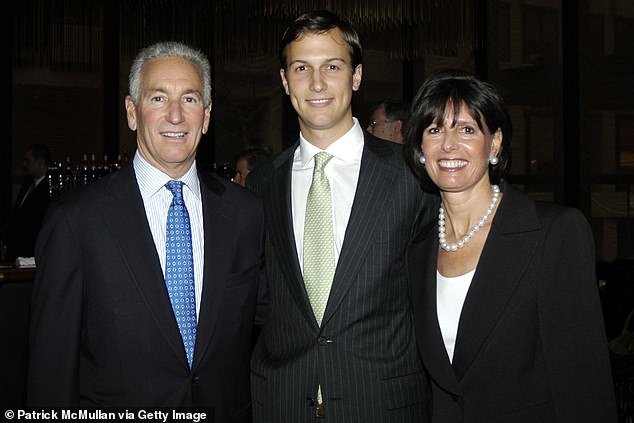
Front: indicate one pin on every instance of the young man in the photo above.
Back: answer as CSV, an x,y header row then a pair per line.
x,y
340,205
119,319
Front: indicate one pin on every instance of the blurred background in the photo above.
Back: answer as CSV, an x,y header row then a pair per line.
x,y
565,69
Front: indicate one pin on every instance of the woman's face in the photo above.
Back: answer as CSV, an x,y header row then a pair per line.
x,y
457,156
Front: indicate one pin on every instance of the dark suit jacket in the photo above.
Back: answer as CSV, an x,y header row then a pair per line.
x,y
531,344
364,355
26,219
103,332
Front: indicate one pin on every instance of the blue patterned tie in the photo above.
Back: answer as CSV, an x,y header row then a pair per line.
x,y
179,268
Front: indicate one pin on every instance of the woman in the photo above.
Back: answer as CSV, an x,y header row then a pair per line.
x,y
505,301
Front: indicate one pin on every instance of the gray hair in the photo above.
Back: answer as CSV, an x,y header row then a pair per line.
x,y
170,49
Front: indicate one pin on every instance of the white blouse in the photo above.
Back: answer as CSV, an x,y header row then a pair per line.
x,y
450,296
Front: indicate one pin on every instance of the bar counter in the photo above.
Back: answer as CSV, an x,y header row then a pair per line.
x,y
15,310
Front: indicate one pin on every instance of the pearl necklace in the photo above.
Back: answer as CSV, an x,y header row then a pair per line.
x,y
441,224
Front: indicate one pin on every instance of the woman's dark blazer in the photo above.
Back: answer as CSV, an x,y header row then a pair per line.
x,y
531,343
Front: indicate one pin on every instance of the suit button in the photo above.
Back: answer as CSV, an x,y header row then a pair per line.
x,y
194,379
323,341
310,402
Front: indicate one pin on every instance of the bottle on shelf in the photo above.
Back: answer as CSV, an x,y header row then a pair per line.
x,y
69,176
50,179
84,172
94,170
59,179
104,169
55,179
116,165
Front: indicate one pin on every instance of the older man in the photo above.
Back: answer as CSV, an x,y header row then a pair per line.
x,y
388,119
147,280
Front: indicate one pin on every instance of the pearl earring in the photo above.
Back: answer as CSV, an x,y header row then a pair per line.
x,y
493,160
421,159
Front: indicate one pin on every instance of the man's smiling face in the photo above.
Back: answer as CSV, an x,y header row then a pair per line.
x,y
170,117
320,80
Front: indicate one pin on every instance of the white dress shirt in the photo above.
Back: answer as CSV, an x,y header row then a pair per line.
x,y
342,172
157,199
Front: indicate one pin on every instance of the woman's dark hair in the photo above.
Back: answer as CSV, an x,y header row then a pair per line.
x,y
320,22
453,88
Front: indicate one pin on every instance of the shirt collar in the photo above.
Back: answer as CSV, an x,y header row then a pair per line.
x,y
345,148
37,181
151,180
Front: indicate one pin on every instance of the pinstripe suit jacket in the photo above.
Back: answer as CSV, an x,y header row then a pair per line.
x,y
364,355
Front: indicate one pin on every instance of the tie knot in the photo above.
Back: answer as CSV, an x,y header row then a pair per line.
x,y
321,160
176,188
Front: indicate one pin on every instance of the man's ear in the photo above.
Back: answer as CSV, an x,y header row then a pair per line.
x,y
284,81
398,126
206,119
130,111
356,78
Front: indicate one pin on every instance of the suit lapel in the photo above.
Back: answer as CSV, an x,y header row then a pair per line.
x,y
508,250
125,215
219,225
24,189
422,265
281,232
374,189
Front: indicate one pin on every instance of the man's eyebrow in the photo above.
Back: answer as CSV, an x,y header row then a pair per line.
x,y
161,90
329,59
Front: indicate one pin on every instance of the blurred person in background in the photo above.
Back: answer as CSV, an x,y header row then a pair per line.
x,y
388,119
30,205
246,161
